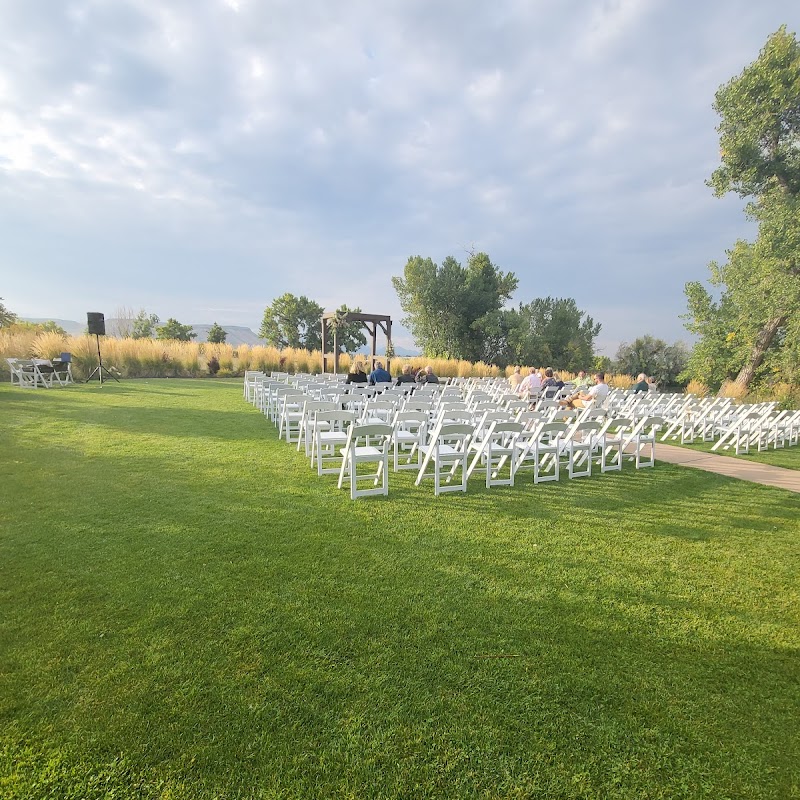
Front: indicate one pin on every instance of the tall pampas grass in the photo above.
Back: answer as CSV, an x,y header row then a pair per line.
x,y
732,389
697,388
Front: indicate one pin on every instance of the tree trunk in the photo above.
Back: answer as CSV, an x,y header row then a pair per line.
x,y
762,343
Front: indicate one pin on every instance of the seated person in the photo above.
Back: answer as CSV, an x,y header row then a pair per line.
x,y
551,384
641,384
356,374
550,379
379,375
427,376
516,379
531,383
582,381
652,386
596,395
405,376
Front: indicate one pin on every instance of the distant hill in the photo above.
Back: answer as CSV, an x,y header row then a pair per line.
x,y
70,326
237,334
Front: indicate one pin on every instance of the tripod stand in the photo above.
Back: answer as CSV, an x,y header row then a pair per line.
x,y
100,369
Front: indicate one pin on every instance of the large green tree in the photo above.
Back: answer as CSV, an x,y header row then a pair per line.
x,y
653,357
293,322
553,331
172,329
751,329
452,309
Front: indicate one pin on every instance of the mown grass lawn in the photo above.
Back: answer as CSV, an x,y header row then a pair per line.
x,y
787,457
189,612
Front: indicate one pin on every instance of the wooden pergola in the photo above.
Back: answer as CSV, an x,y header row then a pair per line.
x,y
369,321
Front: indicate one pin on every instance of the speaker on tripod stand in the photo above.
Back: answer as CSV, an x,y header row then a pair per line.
x,y
96,323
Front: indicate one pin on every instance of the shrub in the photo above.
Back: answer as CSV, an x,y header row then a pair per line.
x,y
213,365
697,388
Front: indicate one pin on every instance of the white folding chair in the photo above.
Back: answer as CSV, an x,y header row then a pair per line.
x,y
307,421
410,431
580,446
377,411
645,437
614,436
330,434
540,449
22,372
494,450
366,444
45,374
290,415
448,448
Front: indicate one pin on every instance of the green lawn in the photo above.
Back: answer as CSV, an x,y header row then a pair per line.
x,y
189,612
788,457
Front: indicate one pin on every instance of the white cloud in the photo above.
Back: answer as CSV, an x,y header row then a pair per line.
x,y
247,149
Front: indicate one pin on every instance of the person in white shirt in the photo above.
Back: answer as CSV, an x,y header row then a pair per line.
x,y
530,383
595,396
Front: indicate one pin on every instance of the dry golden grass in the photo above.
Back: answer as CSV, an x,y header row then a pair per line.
x,y
697,388
733,390
135,358
620,381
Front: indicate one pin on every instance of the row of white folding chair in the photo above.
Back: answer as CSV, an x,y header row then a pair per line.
x,y
448,448
252,378
554,444
329,431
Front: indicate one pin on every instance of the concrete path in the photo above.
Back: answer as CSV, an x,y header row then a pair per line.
x,y
765,474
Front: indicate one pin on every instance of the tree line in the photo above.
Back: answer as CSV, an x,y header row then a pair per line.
x,y
455,311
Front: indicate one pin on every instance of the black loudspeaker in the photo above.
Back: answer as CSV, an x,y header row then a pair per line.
x,y
97,323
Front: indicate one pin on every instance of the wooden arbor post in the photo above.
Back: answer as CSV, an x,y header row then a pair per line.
x,y
369,321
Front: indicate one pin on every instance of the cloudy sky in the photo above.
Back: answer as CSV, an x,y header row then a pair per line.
x,y
198,158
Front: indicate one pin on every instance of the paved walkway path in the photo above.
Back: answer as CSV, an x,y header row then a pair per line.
x,y
766,474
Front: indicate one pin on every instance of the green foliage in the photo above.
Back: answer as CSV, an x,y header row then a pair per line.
x,y
173,329
654,357
144,325
349,335
555,332
753,327
752,333
760,126
217,334
223,634
6,317
602,364
453,310
293,322
21,326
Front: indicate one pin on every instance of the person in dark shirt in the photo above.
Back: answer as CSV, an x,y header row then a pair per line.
x,y
356,374
405,376
552,384
427,376
379,375
641,384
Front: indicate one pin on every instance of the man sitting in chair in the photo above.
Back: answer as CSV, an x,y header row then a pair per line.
x,y
596,395
379,375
